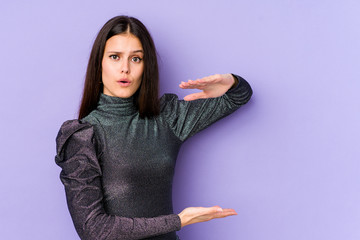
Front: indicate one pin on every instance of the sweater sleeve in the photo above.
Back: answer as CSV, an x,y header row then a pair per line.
x,y
81,174
186,118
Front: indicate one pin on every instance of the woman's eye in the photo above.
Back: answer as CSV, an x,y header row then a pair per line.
x,y
136,59
114,57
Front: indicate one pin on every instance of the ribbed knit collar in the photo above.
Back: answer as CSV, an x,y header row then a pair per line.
x,y
117,105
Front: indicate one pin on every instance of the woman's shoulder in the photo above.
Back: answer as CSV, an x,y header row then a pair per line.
x,y
168,103
73,129
168,97
69,127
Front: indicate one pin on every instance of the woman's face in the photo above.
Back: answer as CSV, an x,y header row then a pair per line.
x,y
122,65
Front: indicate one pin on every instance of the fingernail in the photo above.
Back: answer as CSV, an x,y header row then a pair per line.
x,y
219,209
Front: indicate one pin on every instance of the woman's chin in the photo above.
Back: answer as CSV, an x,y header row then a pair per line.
x,y
120,94
125,94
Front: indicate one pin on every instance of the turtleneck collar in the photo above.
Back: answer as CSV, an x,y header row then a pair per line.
x,y
117,105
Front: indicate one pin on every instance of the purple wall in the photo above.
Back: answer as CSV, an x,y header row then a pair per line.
x,y
288,162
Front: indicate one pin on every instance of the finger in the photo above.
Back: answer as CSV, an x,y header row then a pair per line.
x,y
187,85
216,209
194,96
211,78
219,210
225,213
229,210
183,84
197,82
197,86
200,82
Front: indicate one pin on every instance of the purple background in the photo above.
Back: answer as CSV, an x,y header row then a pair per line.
x,y
288,162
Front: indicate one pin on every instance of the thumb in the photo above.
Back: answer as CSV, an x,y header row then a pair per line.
x,y
194,96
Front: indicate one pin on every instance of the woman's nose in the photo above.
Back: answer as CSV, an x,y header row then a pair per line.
x,y
125,67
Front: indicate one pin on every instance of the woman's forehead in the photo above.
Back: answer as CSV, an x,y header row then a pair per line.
x,y
123,43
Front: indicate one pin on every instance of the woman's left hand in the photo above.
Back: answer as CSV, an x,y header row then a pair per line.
x,y
211,86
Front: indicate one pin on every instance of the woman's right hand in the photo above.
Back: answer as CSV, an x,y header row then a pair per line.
x,y
192,215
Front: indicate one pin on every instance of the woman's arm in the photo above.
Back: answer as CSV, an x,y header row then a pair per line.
x,y
81,176
222,94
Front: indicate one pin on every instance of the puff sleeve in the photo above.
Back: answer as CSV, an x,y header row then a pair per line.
x,y
77,155
185,118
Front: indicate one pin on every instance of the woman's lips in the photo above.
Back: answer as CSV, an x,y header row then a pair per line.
x,y
124,82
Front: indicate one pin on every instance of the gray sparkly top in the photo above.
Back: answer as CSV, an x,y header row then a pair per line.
x,y
117,168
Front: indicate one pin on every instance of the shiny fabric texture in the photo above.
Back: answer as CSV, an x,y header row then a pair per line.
x,y
117,168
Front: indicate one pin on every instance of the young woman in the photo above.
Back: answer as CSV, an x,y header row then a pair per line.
x,y
118,158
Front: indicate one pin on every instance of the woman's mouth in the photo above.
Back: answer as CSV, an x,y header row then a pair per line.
x,y
124,82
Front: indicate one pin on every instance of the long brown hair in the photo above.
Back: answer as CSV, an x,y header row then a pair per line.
x,y
146,97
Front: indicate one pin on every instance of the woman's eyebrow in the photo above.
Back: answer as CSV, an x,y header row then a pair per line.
x,y
117,52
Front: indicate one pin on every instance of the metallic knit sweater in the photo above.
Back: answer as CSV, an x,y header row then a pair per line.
x,y
117,168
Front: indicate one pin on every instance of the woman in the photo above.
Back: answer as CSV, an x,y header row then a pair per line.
x,y
118,159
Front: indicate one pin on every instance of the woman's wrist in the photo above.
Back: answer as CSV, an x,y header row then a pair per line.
x,y
236,81
182,219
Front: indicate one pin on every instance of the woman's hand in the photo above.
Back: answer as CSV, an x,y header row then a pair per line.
x,y
200,214
211,86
